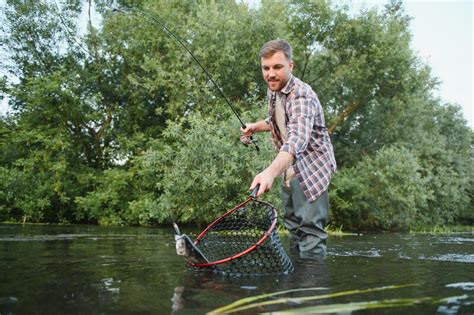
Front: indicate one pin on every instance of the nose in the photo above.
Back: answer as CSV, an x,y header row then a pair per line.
x,y
271,74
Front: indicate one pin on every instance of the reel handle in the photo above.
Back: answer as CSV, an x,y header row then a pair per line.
x,y
255,143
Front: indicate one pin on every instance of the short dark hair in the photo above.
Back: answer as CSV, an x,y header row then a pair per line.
x,y
270,48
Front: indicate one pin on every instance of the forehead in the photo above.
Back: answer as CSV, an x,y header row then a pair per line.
x,y
275,59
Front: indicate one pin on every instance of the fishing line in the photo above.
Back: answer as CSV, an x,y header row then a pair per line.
x,y
181,42
70,33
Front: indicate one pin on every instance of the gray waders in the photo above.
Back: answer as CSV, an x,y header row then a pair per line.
x,y
305,221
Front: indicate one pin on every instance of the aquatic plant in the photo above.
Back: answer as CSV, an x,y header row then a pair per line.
x,y
251,302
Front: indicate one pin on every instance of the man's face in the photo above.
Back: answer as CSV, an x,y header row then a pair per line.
x,y
276,70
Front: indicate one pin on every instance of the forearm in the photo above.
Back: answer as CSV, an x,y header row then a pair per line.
x,y
261,126
281,163
265,179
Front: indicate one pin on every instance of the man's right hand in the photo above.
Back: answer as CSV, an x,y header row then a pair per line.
x,y
247,132
249,129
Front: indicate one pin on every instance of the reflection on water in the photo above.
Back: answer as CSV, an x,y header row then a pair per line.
x,y
177,299
88,269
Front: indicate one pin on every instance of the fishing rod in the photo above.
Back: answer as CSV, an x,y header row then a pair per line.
x,y
250,139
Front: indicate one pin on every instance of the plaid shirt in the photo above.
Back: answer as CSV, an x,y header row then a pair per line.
x,y
308,139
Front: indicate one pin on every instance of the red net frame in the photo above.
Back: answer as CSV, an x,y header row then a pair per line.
x,y
243,241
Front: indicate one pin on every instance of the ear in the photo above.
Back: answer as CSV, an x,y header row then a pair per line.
x,y
292,64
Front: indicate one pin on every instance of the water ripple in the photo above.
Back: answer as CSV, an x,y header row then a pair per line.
x,y
362,253
456,240
468,258
468,286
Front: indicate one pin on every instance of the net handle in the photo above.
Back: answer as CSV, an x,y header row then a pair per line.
x,y
255,191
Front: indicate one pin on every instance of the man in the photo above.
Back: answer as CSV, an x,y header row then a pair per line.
x,y
305,154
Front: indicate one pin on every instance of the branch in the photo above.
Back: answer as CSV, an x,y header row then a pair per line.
x,y
105,125
343,115
89,14
308,55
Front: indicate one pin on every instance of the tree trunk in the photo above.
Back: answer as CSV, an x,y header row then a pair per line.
x,y
343,115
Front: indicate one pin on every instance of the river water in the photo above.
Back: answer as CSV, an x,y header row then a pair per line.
x,y
48,269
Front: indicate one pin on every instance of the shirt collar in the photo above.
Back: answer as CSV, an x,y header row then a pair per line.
x,y
289,85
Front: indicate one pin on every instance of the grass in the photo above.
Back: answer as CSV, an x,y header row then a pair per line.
x,y
264,300
330,229
337,231
302,304
451,229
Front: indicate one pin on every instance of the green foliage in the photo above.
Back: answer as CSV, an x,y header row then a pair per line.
x,y
107,202
39,179
119,125
381,192
363,70
447,157
202,169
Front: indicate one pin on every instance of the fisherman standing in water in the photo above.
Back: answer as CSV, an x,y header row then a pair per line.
x,y
305,153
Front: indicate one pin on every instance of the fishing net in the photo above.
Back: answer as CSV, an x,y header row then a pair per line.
x,y
244,241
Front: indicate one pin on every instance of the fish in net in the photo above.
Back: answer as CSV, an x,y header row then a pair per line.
x,y
243,241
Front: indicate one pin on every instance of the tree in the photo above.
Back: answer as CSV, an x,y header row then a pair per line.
x,y
384,192
362,68
119,125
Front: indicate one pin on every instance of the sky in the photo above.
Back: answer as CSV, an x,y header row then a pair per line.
x,y
443,38
443,34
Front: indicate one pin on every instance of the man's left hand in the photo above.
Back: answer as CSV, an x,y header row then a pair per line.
x,y
265,179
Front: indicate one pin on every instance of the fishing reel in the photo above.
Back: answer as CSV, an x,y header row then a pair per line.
x,y
249,140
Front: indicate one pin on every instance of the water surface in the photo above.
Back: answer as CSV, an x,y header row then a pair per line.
x,y
104,270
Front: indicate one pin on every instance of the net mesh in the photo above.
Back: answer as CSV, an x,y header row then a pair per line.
x,y
238,232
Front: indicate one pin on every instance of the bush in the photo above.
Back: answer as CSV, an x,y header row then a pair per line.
x,y
202,169
381,192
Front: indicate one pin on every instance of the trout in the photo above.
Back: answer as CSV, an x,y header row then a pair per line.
x,y
185,247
